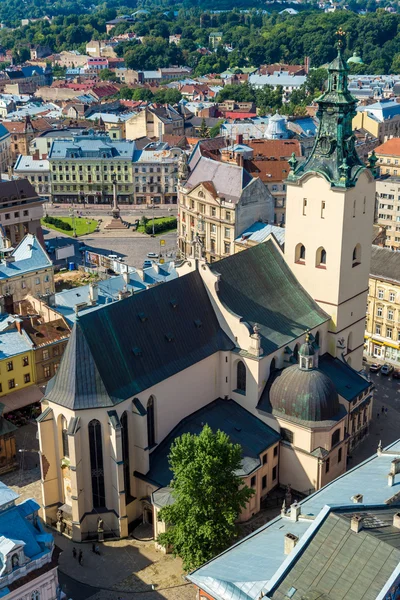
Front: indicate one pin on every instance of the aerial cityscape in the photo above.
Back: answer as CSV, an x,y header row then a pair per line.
x,y
200,300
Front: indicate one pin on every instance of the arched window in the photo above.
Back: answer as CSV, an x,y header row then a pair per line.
x,y
317,339
15,561
350,342
320,257
241,377
356,255
96,464
272,366
151,425
64,437
35,595
296,352
125,454
300,253
335,437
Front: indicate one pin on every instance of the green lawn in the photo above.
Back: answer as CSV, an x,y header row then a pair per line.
x,y
141,227
81,225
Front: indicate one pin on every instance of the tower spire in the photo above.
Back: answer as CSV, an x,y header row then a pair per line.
x,y
334,155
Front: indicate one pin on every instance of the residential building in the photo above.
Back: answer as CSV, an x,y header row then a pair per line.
x,y
317,548
83,170
96,63
37,171
41,144
25,270
216,203
28,555
388,155
155,121
5,149
382,330
23,132
8,448
155,174
215,39
381,119
267,159
100,48
20,210
279,334
387,209
69,59
117,21
7,105
278,79
17,365
49,334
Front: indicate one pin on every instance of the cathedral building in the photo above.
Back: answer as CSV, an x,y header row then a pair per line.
x,y
263,344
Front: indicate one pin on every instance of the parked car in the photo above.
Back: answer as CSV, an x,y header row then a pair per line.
x,y
147,264
375,367
396,374
152,255
364,359
386,369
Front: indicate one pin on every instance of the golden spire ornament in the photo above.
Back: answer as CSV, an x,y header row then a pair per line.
x,y
340,35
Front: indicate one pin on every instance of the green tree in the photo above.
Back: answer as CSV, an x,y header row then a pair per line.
x,y
215,129
203,130
107,75
208,495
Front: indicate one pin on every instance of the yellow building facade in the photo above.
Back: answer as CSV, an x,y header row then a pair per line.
x,y
382,328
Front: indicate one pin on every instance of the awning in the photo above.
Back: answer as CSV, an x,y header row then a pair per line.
x,y
378,343
21,398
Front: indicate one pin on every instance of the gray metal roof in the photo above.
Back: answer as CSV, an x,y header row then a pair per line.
x,y
229,180
385,264
339,564
128,346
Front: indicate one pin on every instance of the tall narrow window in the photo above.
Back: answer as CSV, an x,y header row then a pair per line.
x,y
354,208
96,464
241,377
64,436
304,206
322,209
151,428
317,338
300,254
356,258
364,204
296,352
125,455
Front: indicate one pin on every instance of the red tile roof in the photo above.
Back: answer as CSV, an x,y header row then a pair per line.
x,y
391,147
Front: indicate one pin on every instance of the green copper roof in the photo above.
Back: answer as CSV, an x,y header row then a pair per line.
x,y
123,348
334,155
258,285
355,59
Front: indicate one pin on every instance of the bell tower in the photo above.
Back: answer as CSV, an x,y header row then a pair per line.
x,y
329,218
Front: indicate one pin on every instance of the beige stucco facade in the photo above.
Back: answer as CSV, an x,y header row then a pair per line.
x,y
382,329
215,221
338,221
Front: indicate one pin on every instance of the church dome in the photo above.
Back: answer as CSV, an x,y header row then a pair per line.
x,y
277,128
355,59
308,395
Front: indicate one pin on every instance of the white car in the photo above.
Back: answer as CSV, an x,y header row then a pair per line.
x,y
152,255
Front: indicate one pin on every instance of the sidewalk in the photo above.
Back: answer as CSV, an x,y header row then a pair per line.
x,y
125,568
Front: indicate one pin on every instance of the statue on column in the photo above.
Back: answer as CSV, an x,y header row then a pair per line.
x,y
100,530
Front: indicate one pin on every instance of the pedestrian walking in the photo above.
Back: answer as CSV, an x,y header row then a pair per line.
x,y
74,552
386,411
383,409
80,558
377,416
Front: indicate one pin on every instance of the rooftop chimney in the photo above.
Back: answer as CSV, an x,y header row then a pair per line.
x,y
356,523
295,511
290,542
125,275
93,293
396,520
239,138
357,499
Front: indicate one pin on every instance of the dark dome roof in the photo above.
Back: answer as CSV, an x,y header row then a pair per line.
x,y
308,395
